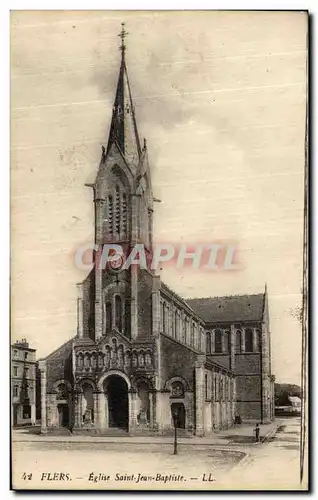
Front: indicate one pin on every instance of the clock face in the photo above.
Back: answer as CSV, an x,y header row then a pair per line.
x,y
115,262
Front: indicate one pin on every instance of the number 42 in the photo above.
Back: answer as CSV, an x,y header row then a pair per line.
x,y
27,477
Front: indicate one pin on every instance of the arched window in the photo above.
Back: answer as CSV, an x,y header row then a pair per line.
x,y
227,338
141,360
248,340
117,210
203,340
118,313
110,214
164,318
181,329
94,360
15,391
87,360
124,211
192,335
108,316
80,360
238,337
127,318
257,340
134,360
208,342
218,341
176,325
161,315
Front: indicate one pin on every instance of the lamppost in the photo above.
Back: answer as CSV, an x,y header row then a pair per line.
x,y
174,412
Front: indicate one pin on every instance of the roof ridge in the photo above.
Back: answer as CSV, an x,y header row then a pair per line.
x,y
57,349
225,296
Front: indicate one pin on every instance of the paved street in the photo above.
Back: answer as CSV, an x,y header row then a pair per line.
x,y
117,463
273,465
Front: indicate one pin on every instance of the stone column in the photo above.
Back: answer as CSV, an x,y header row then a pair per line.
x,y
150,226
151,420
33,414
203,340
132,410
135,229
77,412
134,301
106,411
265,372
158,404
243,340
224,336
99,216
199,395
255,342
80,310
232,348
42,367
212,342
95,409
156,330
233,397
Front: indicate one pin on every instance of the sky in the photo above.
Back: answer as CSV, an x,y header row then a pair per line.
x,y
221,100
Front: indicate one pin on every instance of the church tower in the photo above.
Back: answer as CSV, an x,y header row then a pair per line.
x,y
140,361
123,215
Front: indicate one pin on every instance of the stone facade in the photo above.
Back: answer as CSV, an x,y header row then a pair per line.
x,y
143,357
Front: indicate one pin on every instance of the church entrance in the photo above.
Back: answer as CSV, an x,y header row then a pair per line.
x,y
64,416
180,411
117,392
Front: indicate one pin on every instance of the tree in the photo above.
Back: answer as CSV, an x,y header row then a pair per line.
x,y
282,391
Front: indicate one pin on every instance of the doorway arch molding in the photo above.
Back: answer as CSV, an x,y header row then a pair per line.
x,y
109,374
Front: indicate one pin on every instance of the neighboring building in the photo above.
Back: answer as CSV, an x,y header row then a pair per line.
x,y
23,383
293,408
295,402
141,351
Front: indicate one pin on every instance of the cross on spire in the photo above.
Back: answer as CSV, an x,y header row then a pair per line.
x,y
123,35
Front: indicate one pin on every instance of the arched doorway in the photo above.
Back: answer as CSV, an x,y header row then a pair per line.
x,y
117,394
63,415
179,409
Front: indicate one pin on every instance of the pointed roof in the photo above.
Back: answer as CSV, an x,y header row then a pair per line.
x,y
123,129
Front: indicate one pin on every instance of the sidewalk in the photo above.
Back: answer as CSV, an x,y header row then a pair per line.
x,y
238,435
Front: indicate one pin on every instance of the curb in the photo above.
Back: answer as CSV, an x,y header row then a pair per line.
x,y
270,434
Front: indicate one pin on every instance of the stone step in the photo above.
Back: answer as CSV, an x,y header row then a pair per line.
x,y
112,432
59,431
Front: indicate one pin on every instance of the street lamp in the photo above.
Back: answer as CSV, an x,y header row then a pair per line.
x,y
174,412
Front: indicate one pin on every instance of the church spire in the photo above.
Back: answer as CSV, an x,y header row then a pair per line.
x,y
123,129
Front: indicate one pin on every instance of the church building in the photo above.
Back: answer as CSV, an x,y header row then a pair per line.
x,y
145,359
